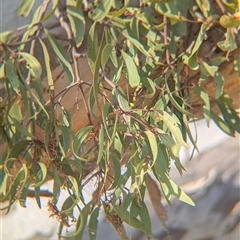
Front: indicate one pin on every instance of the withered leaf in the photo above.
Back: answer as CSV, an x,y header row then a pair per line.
x,y
156,196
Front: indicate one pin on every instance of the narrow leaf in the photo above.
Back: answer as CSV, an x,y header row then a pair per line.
x,y
93,224
61,54
153,144
79,140
133,76
77,21
41,174
11,75
25,7
47,65
33,65
102,10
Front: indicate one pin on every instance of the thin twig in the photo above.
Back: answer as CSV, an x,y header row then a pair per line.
x,y
66,27
165,39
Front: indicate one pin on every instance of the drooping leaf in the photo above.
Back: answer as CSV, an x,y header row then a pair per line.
x,y
173,126
75,187
78,140
223,125
33,65
92,46
127,218
81,223
93,224
219,80
206,107
21,128
146,220
41,174
106,53
228,113
61,54
133,76
25,7
77,21
18,148
11,74
47,65
152,144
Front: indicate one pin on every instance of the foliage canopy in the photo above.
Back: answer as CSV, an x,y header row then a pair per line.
x,y
125,121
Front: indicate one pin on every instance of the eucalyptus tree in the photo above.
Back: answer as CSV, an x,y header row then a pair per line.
x,y
104,91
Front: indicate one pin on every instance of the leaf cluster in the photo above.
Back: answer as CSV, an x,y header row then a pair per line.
x,y
137,112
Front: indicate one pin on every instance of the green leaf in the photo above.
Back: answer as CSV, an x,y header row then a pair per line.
x,y
127,218
93,224
21,128
47,65
75,186
133,76
16,111
32,28
136,42
152,144
206,107
4,36
173,126
120,12
191,61
41,175
13,188
11,75
79,140
51,12
96,80
34,96
37,196
77,22
66,133
117,171
33,65
25,7
178,107
121,184
68,205
76,163
106,53
109,40
219,80
169,142
228,113
229,21
81,223
101,11
180,194
92,46
18,148
223,125
169,187
229,44
61,54
145,219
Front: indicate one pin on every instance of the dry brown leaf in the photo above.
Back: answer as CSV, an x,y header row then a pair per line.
x,y
156,196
